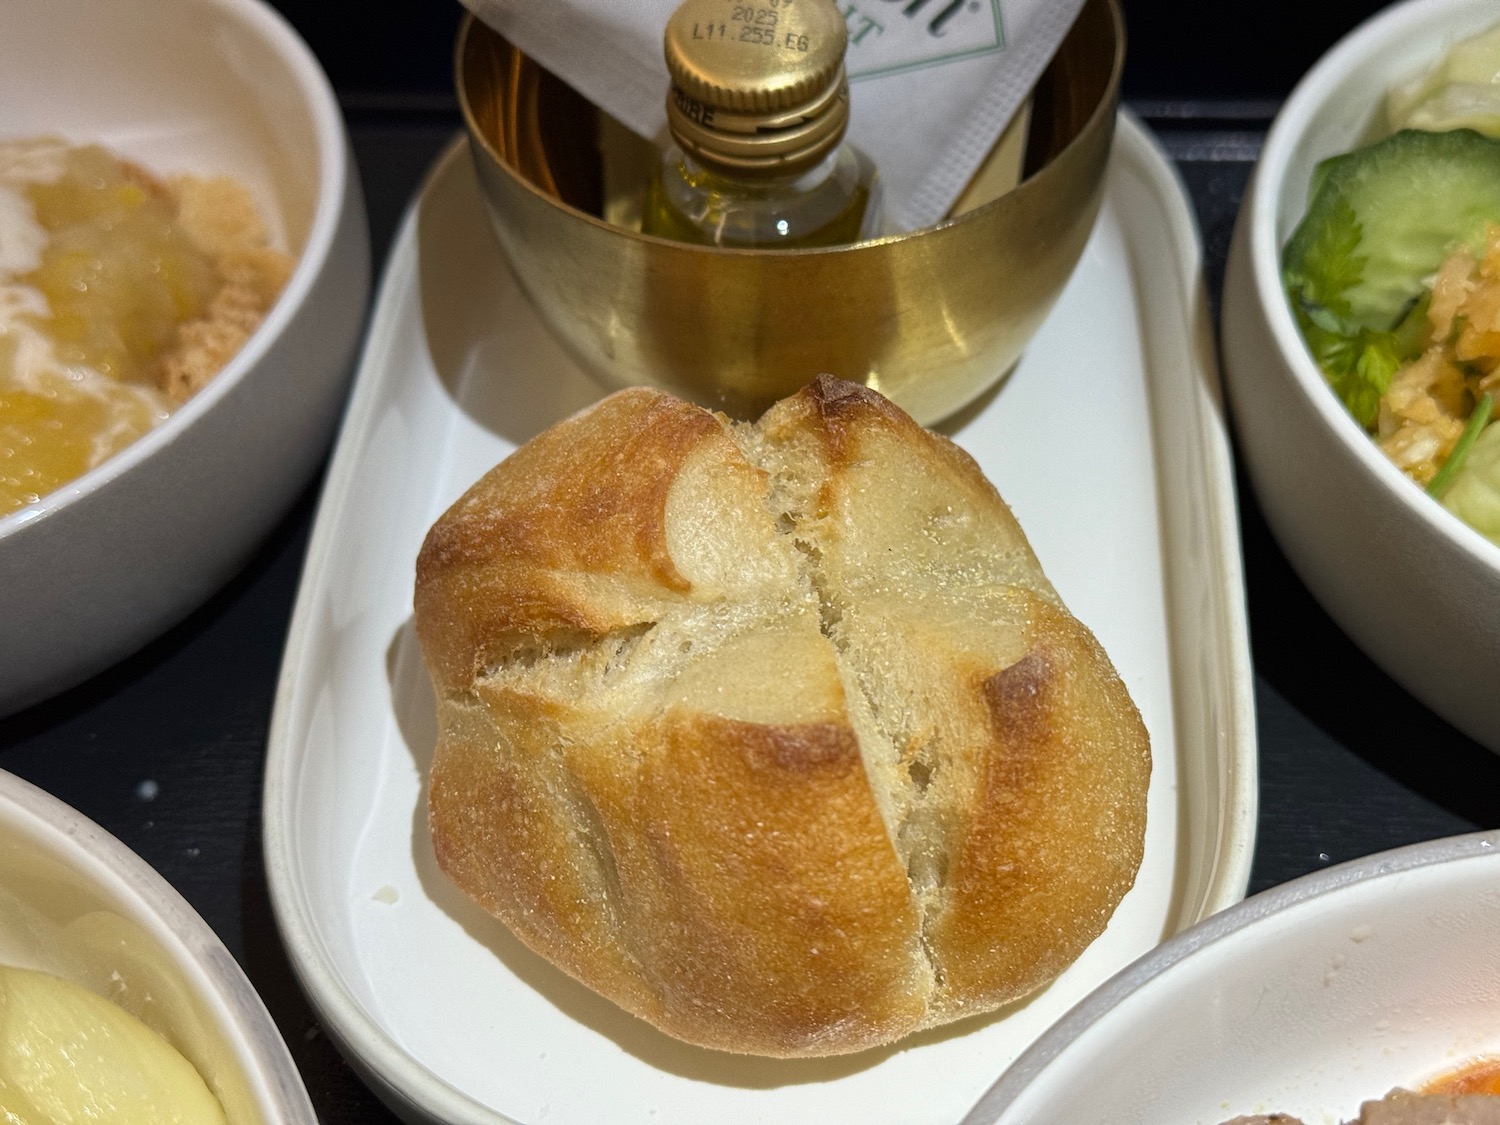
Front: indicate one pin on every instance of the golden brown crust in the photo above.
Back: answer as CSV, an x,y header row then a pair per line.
x,y
738,843
775,735
1066,742
585,497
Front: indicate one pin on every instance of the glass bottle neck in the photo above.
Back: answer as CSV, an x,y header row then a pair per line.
x,y
802,180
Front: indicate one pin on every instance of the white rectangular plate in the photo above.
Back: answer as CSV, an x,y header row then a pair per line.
x,y
1108,441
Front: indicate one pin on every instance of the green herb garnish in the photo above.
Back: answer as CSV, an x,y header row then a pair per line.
x,y
1380,220
1477,421
1329,265
1358,362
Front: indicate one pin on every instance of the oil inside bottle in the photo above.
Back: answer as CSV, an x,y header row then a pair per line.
x,y
827,206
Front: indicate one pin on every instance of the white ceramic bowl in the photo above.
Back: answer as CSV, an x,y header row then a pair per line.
x,y
76,902
204,86
1307,999
1414,587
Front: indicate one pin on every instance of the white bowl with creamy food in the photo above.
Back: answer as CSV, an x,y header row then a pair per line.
x,y
77,905
1411,583
1308,999
97,566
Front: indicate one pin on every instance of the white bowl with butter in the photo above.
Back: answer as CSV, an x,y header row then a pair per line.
x,y
77,904
99,566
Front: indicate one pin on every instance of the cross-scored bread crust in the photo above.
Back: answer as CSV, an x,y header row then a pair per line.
x,y
774,734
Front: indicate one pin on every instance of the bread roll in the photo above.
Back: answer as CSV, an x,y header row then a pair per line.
x,y
775,734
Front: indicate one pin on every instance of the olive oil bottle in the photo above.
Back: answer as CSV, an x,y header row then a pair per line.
x,y
757,110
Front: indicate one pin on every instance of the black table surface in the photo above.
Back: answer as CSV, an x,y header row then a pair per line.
x,y
166,749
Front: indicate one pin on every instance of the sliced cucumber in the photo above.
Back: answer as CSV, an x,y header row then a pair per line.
x,y
1382,219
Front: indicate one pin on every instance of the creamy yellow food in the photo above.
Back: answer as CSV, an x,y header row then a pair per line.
x,y
68,1056
120,296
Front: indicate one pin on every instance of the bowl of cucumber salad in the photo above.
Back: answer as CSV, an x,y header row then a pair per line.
x,y
1361,338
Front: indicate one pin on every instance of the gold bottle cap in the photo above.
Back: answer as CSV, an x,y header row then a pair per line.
x,y
757,85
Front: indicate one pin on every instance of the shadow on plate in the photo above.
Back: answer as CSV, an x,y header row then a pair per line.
x,y
415,709
496,359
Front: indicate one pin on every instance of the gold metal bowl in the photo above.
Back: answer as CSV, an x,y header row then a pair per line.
x,y
931,318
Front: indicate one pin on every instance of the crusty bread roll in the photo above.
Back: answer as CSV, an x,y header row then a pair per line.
x,y
775,734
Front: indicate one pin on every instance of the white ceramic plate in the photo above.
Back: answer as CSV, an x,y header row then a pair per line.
x,y
102,565
1415,588
446,1013
76,902
1307,999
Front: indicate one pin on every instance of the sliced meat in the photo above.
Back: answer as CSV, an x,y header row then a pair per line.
x,y
1402,1107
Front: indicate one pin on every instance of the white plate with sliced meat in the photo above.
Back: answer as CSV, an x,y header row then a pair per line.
x,y
1308,1000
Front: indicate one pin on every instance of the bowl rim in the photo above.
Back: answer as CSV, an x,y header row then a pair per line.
x,y
198,956
1107,107
1353,52
1392,864
334,173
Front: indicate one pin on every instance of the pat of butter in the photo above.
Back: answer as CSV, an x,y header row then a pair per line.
x,y
67,1055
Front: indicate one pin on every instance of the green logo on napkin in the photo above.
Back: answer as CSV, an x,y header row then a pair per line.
x,y
890,36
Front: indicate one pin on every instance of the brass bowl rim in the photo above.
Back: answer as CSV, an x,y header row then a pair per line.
x,y
1107,105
